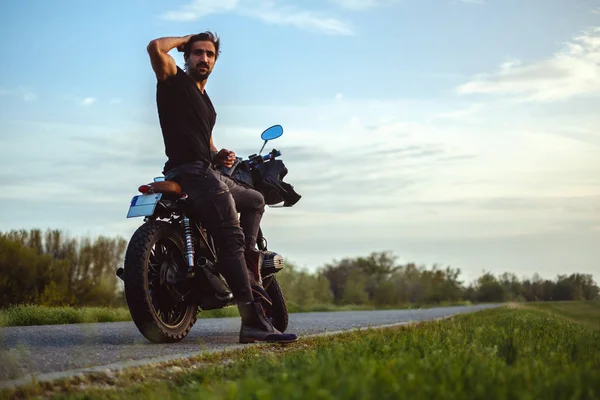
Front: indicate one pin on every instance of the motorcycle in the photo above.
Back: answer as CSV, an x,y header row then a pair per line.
x,y
169,271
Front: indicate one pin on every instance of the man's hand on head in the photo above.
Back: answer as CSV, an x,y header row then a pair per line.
x,y
225,157
187,39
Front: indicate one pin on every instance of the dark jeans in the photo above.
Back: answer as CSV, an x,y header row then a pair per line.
x,y
212,200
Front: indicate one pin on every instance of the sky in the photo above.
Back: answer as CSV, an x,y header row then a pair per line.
x,y
457,133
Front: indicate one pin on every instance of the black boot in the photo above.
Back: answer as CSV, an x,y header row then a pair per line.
x,y
257,328
253,263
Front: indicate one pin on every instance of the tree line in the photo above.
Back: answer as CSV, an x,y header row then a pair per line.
x,y
50,268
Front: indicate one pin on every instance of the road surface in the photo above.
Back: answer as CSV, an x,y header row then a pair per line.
x,y
55,351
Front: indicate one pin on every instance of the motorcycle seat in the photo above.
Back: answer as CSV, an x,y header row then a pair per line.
x,y
168,188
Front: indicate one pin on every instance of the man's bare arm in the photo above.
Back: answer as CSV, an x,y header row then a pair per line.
x,y
163,64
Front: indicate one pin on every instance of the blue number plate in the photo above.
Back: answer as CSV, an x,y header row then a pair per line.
x,y
143,205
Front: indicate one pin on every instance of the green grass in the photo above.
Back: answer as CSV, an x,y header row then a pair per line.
x,y
586,312
23,315
505,353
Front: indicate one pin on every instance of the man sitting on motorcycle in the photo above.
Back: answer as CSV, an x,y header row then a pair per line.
x,y
187,118
250,204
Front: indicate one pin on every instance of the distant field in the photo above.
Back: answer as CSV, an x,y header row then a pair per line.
x,y
504,353
587,312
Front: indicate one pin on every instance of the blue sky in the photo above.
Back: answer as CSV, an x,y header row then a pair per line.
x,y
462,133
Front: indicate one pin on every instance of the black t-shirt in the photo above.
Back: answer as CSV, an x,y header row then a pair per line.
x,y
187,118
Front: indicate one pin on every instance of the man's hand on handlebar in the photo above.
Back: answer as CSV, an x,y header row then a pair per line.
x,y
224,157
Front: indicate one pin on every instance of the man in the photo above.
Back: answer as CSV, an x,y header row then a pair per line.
x,y
187,118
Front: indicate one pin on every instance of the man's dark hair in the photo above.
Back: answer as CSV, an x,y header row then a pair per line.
x,y
204,36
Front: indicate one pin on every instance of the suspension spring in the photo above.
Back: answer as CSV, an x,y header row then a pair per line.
x,y
189,244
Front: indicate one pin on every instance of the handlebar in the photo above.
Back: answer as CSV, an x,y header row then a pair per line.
x,y
273,154
254,159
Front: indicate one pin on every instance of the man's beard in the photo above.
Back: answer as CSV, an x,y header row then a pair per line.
x,y
196,75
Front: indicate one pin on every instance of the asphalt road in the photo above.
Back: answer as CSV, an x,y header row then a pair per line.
x,y
53,351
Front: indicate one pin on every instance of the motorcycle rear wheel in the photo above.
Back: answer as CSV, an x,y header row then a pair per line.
x,y
155,248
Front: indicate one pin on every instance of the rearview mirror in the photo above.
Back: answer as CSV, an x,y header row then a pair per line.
x,y
269,134
272,133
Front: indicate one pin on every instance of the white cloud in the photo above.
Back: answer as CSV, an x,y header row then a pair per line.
x,y
596,11
263,10
88,101
301,19
573,71
115,101
460,114
339,96
25,93
200,8
359,5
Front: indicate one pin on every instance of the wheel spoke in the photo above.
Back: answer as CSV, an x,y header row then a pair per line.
x,y
165,254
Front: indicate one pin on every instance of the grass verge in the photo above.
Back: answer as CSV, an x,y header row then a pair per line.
x,y
26,315
515,353
585,312
23,315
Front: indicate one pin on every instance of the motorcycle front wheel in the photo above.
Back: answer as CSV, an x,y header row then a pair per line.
x,y
155,252
278,312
